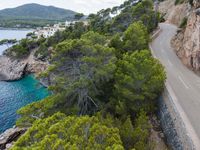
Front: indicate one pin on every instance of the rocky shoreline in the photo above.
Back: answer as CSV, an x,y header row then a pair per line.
x,y
11,69
9,136
14,69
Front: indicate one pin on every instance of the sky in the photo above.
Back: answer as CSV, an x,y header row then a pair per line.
x,y
82,6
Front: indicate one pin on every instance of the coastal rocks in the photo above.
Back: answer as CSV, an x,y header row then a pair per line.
x,y
36,67
187,41
11,69
14,69
9,136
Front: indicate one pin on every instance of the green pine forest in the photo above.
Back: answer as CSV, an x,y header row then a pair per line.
x,y
104,83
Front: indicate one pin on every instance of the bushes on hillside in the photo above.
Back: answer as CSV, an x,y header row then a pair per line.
x,y
183,23
78,133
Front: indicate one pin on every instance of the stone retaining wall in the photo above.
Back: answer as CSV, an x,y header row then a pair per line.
x,y
172,124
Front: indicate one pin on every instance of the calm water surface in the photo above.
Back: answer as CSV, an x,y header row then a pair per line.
x,y
14,95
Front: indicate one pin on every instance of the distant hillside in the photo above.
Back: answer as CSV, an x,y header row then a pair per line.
x,y
36,11
29,13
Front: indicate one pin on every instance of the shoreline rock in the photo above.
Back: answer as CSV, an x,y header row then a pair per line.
x,y
11,69
9,136
14,69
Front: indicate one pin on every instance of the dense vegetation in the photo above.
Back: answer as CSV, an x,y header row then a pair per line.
x,y
129,13
104,84
33,15
24,47
183,23
29,23
71,32
74,133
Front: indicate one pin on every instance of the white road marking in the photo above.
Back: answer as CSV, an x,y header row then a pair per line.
x,y
187,87
156,33
154,55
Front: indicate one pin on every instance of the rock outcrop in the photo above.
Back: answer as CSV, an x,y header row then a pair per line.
x,y
187,41
9,136
14,69
11,69
174,14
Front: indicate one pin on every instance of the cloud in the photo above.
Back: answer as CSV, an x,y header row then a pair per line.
x,y
84,6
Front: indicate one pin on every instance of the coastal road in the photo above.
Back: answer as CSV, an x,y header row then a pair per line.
x,y
184,85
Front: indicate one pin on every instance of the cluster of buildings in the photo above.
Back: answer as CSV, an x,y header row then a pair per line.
x,y
49,31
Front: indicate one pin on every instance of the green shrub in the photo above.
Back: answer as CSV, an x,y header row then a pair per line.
x,y
183,22
179,2
60,132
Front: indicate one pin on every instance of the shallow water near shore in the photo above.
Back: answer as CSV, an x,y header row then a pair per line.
x,y
16,94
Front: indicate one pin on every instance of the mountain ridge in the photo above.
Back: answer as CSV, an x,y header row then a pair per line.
x,y
37,11
34,15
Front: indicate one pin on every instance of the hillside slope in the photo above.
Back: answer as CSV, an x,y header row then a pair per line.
x,y
33,14
36,11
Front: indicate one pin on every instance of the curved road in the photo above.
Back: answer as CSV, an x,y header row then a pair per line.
x,y
183,83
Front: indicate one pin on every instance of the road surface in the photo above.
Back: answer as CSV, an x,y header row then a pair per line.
x,y
183,83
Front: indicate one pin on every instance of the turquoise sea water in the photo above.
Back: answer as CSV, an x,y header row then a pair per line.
x,y
14,95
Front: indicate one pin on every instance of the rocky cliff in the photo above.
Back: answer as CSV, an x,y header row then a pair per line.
x,y
174,13
14,69
9,136
187,41
11,69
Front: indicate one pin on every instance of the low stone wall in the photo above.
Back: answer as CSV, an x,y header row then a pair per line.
x,y
172,124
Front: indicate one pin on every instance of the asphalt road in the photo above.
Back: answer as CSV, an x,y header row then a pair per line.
x,y
183,83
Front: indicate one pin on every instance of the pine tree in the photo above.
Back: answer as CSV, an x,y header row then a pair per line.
x,y
139,79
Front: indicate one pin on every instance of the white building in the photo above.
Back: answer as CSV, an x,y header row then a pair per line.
x,y
48,31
